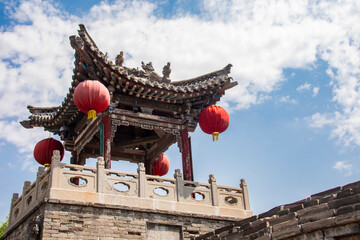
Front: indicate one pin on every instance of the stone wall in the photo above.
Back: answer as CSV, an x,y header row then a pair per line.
x,y
331,215
70,220
30,228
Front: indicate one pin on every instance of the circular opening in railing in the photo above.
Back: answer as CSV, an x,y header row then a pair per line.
x,y
231,200
122,187
198,196
78,181
28,200
161,191
44,186
16,213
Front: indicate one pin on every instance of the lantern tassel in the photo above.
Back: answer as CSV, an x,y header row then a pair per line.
x,y
91,114
215,136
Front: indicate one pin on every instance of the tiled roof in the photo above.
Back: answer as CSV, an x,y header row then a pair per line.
x,y
91,63
327,215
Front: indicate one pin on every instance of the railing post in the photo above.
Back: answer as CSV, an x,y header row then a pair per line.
x,y
100,175
179,185
214,190
26,186
55,170
243,186
13,200
40,172
142,180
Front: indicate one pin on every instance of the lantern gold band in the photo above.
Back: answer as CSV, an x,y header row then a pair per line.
x,y
46,165
215,136
91,114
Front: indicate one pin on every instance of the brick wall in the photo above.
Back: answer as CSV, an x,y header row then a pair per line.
x,y
30,228
92,222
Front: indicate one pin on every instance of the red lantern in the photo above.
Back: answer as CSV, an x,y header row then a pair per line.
x,y
161,166
214,120
90,97
44,149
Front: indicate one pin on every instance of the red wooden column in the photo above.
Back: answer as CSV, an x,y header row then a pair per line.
x,y
106,133
75,160
186,155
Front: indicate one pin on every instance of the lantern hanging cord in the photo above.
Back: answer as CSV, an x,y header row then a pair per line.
x,y
215,136
91,114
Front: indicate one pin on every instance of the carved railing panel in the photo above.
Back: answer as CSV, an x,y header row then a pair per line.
x,y
161,188
197,192
117,181
77,177
230,197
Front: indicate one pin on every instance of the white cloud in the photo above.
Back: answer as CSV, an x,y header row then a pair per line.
x,y
318,120
315,91
259,38
25,141
36,60
345,127
305,87
287,99
342,166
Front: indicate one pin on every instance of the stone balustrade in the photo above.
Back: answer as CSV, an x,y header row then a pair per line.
x,y
97,185
32,196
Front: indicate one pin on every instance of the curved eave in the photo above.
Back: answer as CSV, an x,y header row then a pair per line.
x,y
93,64
64,114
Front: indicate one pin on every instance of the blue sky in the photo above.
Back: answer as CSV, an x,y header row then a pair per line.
x,y
294,117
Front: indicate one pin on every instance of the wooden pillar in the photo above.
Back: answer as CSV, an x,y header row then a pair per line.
x,y
186,156
148,167
105,146
75,160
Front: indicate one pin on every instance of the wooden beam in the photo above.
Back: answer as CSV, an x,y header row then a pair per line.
x,y
87,134
117,153
158,106
159,132
206,101
137,142
136,116
161,146
81,124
